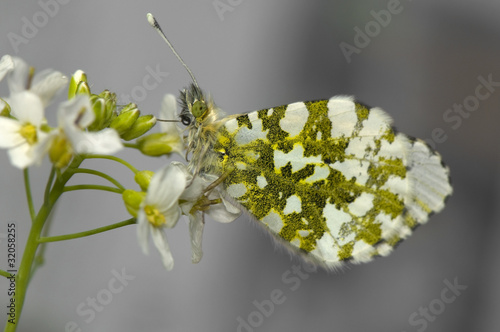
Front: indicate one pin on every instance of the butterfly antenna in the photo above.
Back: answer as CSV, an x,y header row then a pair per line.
x,y
154,23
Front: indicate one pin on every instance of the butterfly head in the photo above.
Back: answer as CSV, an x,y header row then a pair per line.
x,y
196,107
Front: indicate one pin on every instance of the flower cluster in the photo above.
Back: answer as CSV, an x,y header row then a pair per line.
x,y
25,131
172,192
92,124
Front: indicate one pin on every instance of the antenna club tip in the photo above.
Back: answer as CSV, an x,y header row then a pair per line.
x,y
151,19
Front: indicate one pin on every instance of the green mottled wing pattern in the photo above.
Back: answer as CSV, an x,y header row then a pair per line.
x,y
331,179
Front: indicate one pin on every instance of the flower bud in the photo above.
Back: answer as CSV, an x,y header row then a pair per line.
x,y
124,121
128,107
78,84
142,125
110,106
99,108
133,200
142,178
82,89
159,144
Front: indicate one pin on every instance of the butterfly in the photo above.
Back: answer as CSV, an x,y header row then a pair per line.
x,y
331,180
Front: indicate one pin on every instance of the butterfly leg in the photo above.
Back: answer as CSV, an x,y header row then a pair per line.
x,y
218,181
203,204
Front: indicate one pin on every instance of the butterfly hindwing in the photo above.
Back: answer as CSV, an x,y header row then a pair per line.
x,y
331,178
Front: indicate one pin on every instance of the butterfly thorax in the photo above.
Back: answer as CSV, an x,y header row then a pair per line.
x,y
201,117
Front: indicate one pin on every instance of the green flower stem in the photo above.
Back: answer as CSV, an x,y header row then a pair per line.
x,y
23,275
97,173
57,238
4,274
24,272
49,184
39,258
29,198
119,160
94,187
58,172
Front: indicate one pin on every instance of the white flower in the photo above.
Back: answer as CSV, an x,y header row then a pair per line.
x,y
173,191
168,111
46,84
22,135
195,206
74,116
160,209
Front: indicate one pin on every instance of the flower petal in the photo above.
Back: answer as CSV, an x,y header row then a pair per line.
x,y
106,141
196,226
230,207
47,83
172,216
166,186
18,76
6,65
10,136
160,241
27,107
76,113
143,226
24,155
195,189
168,111
74,116
21,156
43,146
221,213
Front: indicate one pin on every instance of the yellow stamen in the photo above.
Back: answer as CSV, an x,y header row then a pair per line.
x,y
154,216
28,132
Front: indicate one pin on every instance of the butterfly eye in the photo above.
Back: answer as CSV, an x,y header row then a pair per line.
x,y
186,120
199,109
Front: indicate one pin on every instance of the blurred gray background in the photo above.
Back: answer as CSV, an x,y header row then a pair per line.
x,y
252,55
